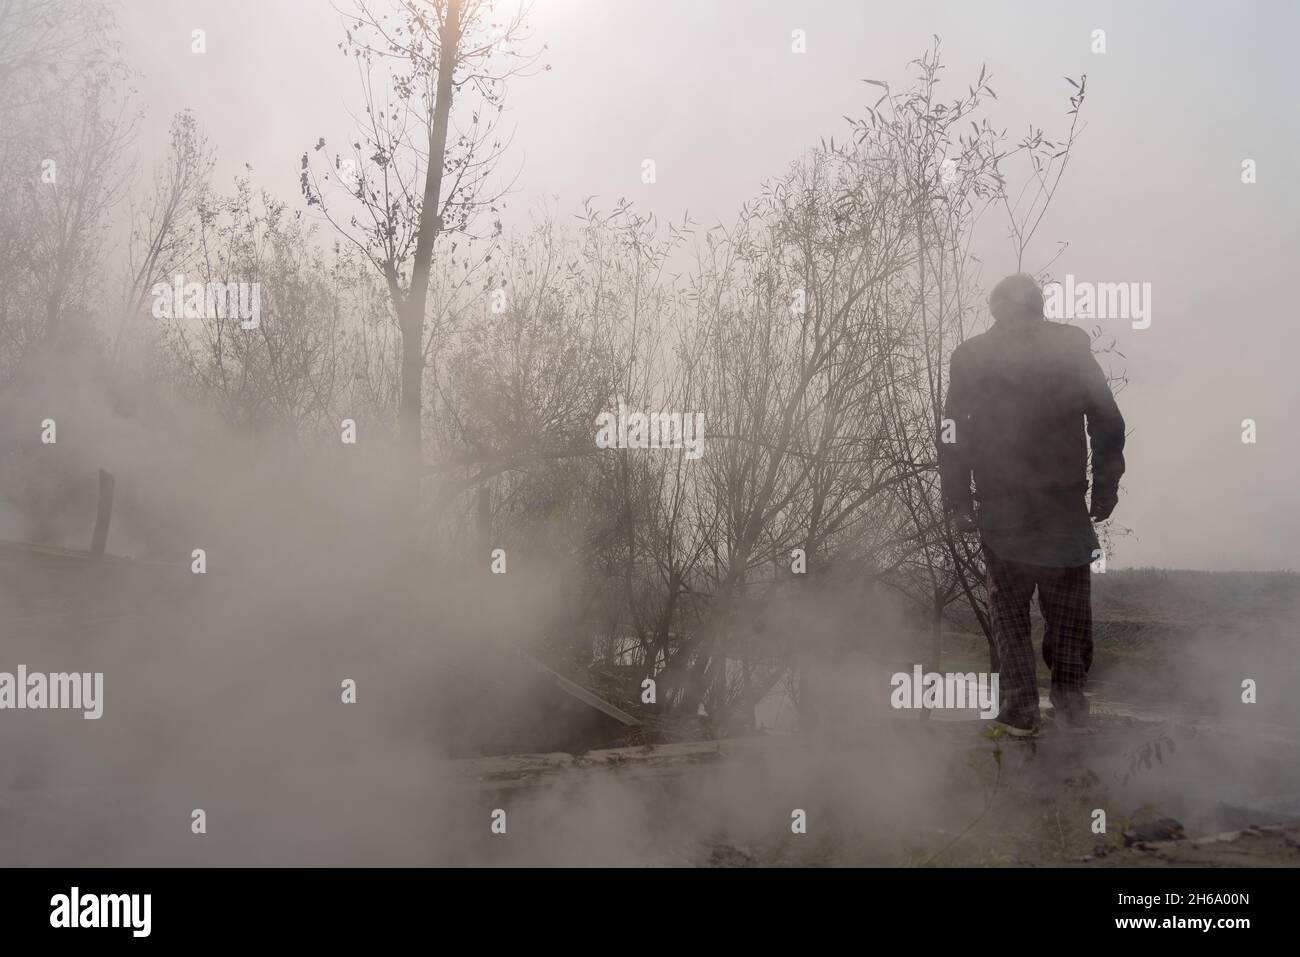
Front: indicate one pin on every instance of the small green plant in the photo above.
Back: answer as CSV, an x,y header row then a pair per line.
x,y
990,781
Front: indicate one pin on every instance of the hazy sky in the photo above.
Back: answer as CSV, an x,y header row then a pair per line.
x,y
712,92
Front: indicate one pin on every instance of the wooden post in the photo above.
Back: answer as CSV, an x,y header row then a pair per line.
x,y
483,525
103,513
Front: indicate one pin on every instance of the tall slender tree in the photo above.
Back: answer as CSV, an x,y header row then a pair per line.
x,y
418,167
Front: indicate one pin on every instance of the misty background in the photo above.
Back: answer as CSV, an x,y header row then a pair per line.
x,y
1184,93
470,553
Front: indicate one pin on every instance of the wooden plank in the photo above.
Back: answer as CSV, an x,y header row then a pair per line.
x,y
582,694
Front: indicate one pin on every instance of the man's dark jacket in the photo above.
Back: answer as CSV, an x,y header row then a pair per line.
x,y
1019,396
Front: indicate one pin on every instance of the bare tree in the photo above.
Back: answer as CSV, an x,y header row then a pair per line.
x,y
86,147
45,43
160,239
66,122
296,373
414,173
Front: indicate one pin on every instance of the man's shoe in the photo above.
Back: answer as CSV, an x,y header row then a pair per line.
x,y
1070,711
1016,725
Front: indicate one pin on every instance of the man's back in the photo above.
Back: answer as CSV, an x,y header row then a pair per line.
x,y
1019,398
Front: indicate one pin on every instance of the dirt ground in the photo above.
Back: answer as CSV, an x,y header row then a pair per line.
x,y
995,801
1275,845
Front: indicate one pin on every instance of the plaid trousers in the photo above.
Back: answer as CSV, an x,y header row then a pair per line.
x,y
1065,599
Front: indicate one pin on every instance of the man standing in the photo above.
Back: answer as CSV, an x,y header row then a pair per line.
x,y
1019,396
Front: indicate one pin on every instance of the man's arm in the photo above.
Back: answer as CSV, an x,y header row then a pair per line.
x,y
1106,430
954,442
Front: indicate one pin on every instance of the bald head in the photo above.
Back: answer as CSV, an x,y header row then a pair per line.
x,y
1017,298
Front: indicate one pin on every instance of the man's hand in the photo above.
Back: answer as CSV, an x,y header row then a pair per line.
x,y
963,520
1102,506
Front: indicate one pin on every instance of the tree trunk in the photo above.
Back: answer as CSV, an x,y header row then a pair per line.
x,y
411,312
